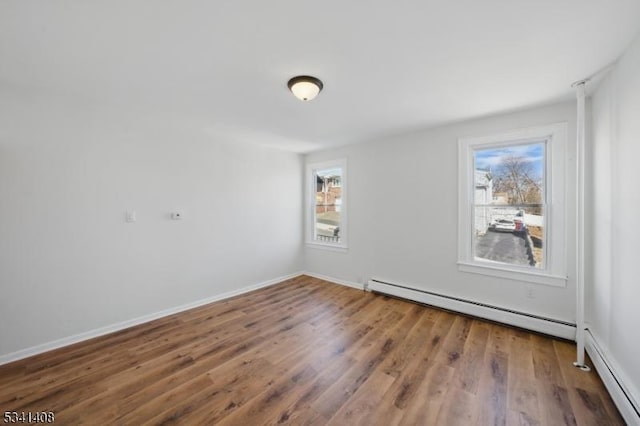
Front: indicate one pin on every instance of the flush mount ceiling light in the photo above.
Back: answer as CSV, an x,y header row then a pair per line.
x,y
305,87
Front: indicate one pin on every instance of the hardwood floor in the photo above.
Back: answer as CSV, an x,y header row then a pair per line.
x,y
309,352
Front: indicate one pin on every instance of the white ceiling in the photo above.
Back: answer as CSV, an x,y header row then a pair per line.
x,y
388,66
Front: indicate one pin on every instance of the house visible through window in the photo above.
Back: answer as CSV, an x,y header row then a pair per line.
x,y
327,204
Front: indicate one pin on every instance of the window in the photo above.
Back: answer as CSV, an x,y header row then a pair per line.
x,y
326,194
511,205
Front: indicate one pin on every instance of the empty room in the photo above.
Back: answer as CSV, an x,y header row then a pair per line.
x,y
375,213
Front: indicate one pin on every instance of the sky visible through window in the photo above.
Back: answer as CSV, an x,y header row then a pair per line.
x,y
329,172
531,153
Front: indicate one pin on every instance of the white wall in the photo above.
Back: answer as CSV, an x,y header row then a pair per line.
x,y
68,172
412,238
613,311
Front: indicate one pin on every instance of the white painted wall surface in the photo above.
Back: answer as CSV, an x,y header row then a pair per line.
x,y
403,215
598,215
68,172
614,291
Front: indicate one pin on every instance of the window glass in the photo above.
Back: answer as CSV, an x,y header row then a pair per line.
x,y
328,204
509,204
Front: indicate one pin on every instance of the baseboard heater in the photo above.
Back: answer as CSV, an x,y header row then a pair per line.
x,y
622,396
525,320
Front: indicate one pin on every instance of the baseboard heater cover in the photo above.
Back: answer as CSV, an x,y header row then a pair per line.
x,y
528,321
628,406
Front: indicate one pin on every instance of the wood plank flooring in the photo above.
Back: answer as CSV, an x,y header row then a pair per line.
x,y
306,351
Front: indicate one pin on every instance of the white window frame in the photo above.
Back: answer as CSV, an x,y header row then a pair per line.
x,y
310,222
554,272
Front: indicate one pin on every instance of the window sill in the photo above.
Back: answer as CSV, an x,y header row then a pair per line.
x,y
327,246
513,274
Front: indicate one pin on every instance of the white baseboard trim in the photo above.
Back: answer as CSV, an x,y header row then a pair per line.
x,y
335,280
625,398
76,338
506,316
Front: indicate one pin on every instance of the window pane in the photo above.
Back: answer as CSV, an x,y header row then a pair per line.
x,y
328,204
509,204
